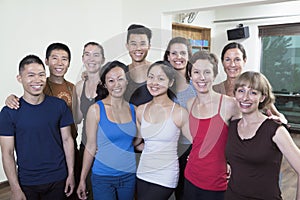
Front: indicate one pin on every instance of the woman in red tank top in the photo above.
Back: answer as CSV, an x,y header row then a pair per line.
x,y
210,113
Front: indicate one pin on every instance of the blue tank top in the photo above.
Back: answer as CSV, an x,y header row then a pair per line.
x,y
115,153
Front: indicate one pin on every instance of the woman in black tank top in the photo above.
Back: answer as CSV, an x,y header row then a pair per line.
x,y
256,143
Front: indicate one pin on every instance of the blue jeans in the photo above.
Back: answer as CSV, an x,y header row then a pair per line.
x,y
113,187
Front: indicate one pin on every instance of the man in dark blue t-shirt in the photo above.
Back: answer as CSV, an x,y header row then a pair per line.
x,y
40,133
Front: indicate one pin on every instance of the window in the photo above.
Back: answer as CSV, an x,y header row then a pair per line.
x,y
280,63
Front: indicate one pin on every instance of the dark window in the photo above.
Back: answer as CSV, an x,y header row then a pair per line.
x,y
280,63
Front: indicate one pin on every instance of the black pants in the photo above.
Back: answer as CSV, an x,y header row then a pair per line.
x,y
151,191
49,191
183,153
192,192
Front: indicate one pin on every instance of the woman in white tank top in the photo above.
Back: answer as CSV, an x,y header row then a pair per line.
x,y
159,123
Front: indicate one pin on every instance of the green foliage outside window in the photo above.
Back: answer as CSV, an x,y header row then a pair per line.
x,y
279,63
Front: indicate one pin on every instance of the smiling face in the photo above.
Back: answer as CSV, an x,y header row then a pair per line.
x,y
116,82
138,47
158,82
178,56
33,79
233,62
248,99
92,58
58,63
202,76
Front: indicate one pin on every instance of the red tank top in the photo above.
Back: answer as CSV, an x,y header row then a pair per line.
x,y
206,166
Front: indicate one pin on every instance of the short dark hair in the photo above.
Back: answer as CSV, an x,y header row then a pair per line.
x,y
58,46
139,29
29,59
102,92
234,45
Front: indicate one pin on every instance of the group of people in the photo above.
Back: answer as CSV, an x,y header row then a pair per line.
x,y
149,129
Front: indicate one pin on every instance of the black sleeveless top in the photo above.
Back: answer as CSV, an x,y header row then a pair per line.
x,y
255,163
137,93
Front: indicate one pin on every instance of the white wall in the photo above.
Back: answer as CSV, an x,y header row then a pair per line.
x,y
30,26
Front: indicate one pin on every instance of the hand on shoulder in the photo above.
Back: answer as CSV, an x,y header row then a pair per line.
x,y
12,101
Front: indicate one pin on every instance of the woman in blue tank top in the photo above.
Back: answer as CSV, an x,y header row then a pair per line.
x,y
110,128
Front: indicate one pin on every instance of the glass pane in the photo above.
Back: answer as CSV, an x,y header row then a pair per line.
x,y
281,62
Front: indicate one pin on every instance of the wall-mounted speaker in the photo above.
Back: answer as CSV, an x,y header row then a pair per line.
x,y
238,33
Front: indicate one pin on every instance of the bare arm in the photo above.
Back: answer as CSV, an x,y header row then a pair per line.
x,y
138,141
183,119
92,120
68,145
9,165
12,101
289,149
77,114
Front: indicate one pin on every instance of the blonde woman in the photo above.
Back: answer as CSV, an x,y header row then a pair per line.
x,y
256,143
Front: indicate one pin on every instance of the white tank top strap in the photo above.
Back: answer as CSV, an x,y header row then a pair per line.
x,y
172,108
144,110
170,111
220,103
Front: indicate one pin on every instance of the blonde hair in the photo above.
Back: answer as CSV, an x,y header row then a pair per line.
x,y
259,82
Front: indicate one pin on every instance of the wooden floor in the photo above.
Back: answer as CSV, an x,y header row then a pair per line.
x,y
288,181
4,191
289,176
